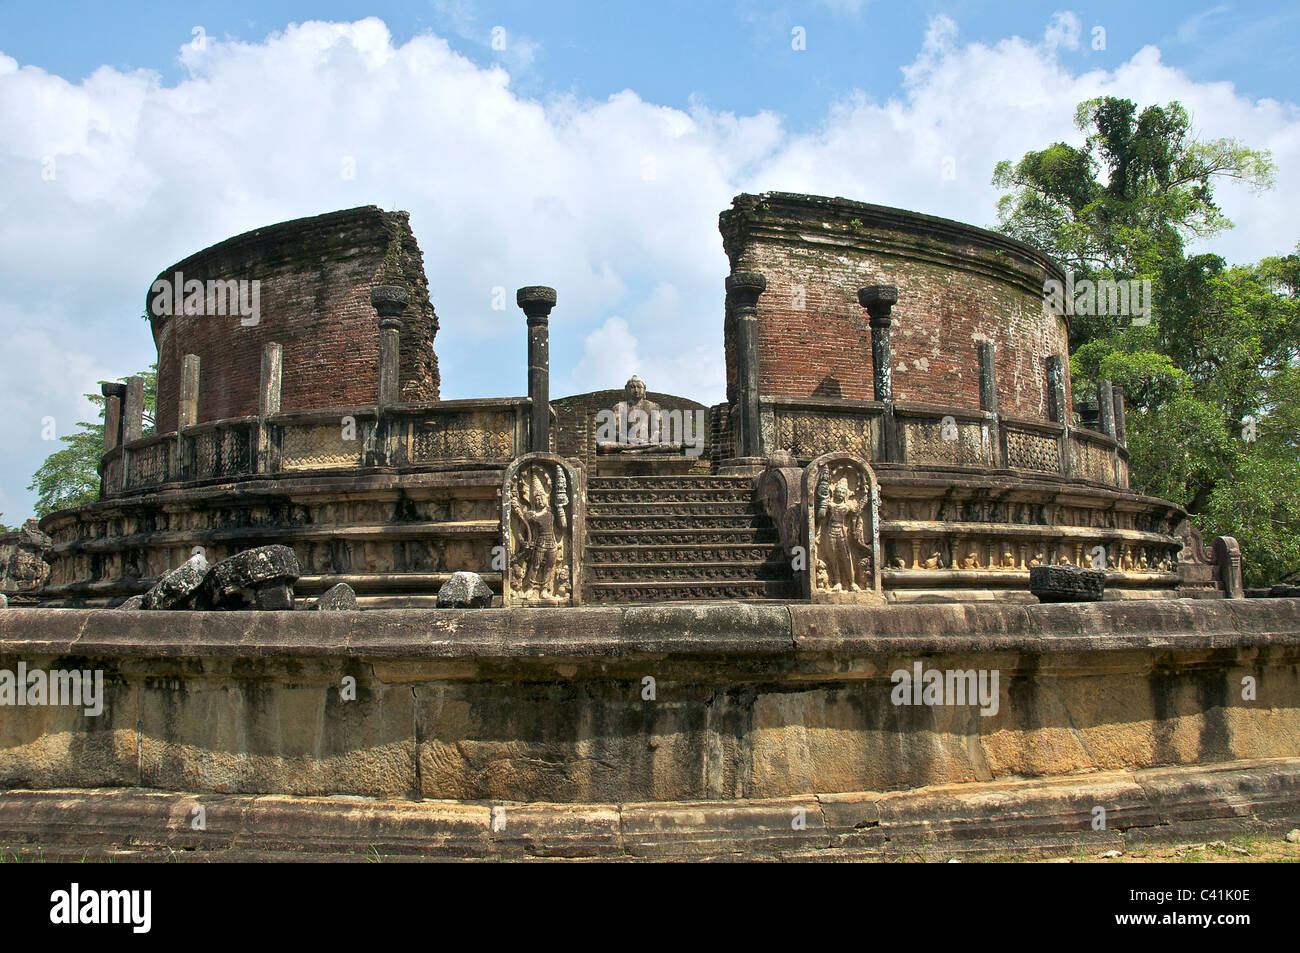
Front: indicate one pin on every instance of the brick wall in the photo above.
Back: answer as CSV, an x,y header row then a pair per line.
x,y
315,278
957,286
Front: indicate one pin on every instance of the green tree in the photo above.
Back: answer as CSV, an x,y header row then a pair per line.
x,y
70,477
1212,382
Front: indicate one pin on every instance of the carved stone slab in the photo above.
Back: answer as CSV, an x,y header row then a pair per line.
x,y
841,530
543,506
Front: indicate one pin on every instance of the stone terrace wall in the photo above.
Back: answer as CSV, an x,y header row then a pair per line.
x,y
957,286
316,275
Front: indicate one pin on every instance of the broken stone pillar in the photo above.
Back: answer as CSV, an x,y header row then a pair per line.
x,y
537,302
1106,408
879,300
189,409
988,377
1056,407
133,410
114,397
1121,427
743,289
389,301
268,393
989,401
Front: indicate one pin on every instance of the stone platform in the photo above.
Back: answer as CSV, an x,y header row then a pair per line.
x,y
598,705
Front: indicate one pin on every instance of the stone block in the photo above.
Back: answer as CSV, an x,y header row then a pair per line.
x,y
179,587
464,590
1066,583
264,567
340,598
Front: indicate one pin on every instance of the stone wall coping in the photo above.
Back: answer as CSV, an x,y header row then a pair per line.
x,y
147,441
939,411
226,423
727,629
1040,425
344,482
841,404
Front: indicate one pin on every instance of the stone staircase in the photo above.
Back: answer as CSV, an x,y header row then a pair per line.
x,y
675,538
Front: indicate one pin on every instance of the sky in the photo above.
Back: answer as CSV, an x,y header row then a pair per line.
x,y
586,146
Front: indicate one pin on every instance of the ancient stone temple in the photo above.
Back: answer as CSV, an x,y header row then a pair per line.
x,y
917,348
892,593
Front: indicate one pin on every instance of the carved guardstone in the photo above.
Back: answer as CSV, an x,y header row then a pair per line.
x,y
841,525
543,502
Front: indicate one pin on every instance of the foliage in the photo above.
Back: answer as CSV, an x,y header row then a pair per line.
x,y
70,477
1212,384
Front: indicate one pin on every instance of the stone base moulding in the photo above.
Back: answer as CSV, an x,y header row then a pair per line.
x,y
750,701
1023,816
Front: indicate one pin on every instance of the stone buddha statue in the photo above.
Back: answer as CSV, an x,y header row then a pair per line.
x,y
634,425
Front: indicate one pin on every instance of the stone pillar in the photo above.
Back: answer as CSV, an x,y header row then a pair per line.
x,y
268,393
879,300
389,301
537,302
1121,427
743,289
114,397
1056,408
988,377
996,436
133,410
1106,408
189,409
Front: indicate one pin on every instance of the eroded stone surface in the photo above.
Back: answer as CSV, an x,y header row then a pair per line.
x,y
262,568
178,589
1066,583
340,598
464,590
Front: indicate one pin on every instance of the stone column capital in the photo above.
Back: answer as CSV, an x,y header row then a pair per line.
x,y
744,287
536,301
879,300
390,301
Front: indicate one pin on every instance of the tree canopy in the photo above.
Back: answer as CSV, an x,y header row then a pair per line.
x,y
70,477
1213,381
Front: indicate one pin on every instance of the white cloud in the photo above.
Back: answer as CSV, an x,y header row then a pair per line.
x,y
613,202
1063,30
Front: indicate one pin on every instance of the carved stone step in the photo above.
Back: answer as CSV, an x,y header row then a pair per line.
x,y
622,592
681,537
684,553
597,510
604,495
637,573
624,523
669,482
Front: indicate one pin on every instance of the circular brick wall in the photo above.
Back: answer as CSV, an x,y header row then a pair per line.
x,y
314,278
958,286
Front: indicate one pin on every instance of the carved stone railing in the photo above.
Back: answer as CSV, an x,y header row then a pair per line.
x,y
934,436
808,427
945,436
446,433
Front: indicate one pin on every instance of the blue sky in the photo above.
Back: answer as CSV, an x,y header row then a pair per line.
x,y
592,153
